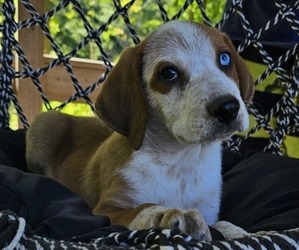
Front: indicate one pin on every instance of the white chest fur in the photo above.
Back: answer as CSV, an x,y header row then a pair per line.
x,y
185,178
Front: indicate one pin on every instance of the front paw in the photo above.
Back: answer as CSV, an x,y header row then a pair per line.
x,y
189,222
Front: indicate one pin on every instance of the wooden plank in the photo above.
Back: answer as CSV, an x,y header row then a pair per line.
x,y
31,40
58,84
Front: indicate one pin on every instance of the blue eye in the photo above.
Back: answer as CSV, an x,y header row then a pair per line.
x,y
225,59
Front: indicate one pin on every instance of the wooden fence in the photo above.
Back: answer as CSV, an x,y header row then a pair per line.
x,y
56,82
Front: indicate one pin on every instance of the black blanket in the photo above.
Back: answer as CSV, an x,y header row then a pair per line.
x,y
261,192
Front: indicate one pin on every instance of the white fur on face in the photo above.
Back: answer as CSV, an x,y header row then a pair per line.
x,y
184,109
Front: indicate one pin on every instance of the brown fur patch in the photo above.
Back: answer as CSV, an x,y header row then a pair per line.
x,y
122,102
162,85
238,71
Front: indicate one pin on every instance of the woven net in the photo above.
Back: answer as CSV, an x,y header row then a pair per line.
x,y
285,112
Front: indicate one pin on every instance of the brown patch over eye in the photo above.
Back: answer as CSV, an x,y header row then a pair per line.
x,y
223,52
166,76
225,57
227,65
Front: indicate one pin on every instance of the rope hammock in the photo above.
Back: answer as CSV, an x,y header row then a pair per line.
x,y
285,112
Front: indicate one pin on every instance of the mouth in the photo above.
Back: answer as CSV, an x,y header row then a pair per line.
x,y
211,130
220,133
216,135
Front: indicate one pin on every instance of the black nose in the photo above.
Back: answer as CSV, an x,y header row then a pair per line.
x,y
224,108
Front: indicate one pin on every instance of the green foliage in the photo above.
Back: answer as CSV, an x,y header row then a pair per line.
x,y
77,109
68,29
1,14
1,19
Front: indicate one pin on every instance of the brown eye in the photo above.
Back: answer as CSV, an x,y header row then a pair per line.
x,y
169,74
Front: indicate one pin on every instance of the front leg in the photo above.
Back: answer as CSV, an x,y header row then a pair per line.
x,y
148,216
189,222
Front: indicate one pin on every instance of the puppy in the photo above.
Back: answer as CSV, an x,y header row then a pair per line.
x,y
153,157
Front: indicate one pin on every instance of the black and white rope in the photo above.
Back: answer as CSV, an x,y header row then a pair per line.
x,y
285,111
15,234
7,70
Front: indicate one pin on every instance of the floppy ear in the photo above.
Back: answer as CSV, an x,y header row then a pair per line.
x,y
121,103
246,83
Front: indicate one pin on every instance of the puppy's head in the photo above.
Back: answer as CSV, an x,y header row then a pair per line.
x,y
187,76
